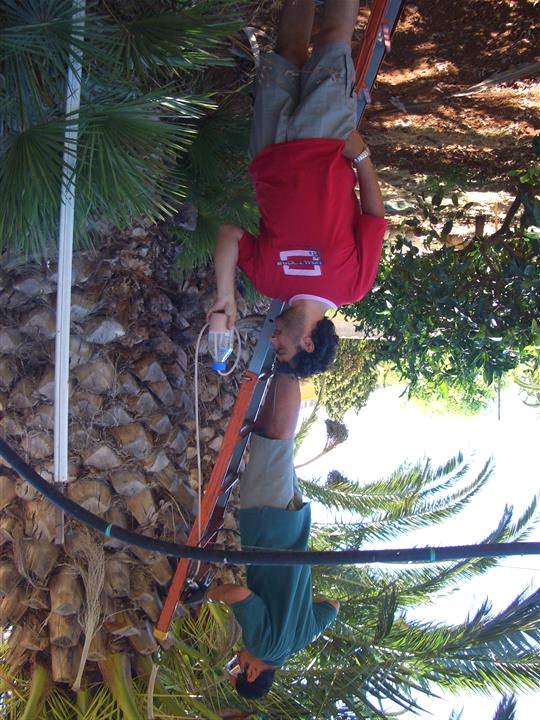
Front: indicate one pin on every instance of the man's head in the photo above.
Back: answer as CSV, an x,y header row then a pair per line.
x,y
255,677
304,344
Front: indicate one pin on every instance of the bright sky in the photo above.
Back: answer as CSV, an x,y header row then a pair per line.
x,y
389,431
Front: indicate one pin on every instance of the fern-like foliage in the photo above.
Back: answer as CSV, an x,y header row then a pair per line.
x,y
218,185
138,110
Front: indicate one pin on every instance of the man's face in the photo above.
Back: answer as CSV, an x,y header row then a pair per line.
x,y
290,336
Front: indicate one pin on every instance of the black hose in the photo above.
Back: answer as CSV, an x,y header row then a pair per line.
x,y
260,557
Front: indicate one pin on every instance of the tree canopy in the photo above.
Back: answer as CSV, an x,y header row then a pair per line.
x,y
456,317
350,380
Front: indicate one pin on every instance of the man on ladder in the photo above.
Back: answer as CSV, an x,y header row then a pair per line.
x,y
317,248
277,612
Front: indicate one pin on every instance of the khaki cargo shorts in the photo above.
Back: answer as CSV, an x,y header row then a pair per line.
x,y
317,101
269,479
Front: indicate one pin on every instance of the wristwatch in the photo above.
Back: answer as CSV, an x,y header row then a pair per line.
x,y
361,157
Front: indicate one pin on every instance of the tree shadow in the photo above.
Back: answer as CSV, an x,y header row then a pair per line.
x,y
446,47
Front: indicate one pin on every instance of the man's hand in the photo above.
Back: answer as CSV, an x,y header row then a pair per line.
x,y
225,304
354,145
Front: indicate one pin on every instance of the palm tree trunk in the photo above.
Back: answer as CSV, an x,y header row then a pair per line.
x,y
39,690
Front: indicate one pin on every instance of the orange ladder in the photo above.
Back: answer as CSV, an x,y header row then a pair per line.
x,y
382,23
225,473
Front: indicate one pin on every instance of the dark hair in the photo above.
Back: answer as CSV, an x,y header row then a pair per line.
x,y
304,363
256,689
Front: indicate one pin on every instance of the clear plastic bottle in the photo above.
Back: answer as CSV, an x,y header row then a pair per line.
x,y
220,341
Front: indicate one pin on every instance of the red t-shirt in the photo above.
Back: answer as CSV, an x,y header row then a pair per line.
x,y
313,240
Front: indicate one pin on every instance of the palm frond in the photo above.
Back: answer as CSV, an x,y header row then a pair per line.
x,y
407,481
219,186
506,709
400,515
126,166
501,675
308,422
416,585
44,33
510,634
134,121
170,39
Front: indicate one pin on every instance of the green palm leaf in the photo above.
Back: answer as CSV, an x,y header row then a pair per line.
x,y
30,175
506,709
481,641
137,114
219,185
400,515
38,36
413,583
407,481
151,43
418,584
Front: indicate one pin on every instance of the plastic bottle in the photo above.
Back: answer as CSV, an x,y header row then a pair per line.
x,y
220,341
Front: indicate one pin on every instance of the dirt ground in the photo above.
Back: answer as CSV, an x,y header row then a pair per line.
x,y
444,47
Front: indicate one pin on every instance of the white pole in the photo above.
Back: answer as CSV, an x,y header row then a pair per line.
x,y
65,256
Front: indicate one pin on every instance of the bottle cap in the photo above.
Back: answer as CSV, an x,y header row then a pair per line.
x,y
219,366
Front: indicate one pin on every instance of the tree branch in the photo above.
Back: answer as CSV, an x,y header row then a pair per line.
x,y
512,210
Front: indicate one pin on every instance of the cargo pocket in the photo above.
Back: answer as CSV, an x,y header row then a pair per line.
x,y
350,75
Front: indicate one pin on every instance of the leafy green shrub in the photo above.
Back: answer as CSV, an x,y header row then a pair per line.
x,y
448,398
455,319
442,399
351,380
527,376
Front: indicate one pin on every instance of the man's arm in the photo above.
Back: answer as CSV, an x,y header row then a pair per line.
x,y
225,259
228,593
321,598
370,192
